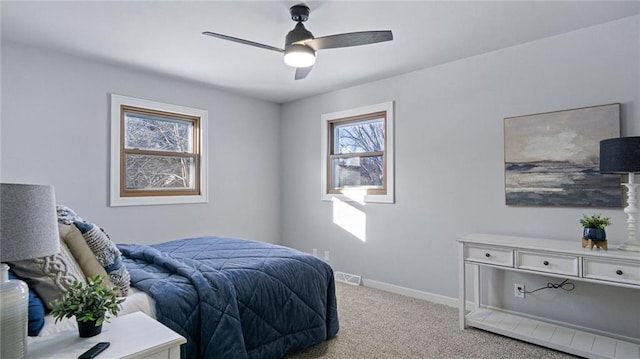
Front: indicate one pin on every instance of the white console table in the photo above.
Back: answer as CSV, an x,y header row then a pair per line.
x,y
563,259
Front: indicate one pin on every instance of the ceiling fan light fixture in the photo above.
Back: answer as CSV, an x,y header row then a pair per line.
x,y
299,56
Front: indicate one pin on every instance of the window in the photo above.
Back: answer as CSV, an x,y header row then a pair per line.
x,y
158,153
358,154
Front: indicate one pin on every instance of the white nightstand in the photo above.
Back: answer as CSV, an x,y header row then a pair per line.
x,y
134,335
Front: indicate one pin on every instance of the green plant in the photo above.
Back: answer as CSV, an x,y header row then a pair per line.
x,y
595,221
90,302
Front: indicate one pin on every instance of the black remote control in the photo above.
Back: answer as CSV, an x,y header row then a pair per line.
x,y
94,351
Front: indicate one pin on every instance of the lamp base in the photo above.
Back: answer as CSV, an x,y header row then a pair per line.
x,y
631,246
14,305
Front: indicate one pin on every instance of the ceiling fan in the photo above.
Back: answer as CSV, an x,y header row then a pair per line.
x,y
300,46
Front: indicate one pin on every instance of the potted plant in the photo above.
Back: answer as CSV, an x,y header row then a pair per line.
x,y
594,227
89,303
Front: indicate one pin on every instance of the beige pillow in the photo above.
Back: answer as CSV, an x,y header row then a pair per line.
x,y
81,252
50,276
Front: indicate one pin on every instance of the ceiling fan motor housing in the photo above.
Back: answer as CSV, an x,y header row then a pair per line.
x,y
298,34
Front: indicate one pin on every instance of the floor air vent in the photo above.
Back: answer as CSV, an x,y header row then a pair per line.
x,y
348,278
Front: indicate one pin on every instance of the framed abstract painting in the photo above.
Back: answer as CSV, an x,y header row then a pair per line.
x,y
553,159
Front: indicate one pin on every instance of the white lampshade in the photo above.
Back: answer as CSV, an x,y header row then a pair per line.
x,y
299,56
28,229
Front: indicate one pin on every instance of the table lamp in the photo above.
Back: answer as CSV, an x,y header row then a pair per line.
x,y
28,229
622,156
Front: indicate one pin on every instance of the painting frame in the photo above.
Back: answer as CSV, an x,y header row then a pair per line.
x,y
552,159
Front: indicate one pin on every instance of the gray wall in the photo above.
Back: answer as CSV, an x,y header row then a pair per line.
x,y
55,130
449,162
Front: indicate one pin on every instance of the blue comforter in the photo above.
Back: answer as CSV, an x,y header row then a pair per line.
x,y
234,298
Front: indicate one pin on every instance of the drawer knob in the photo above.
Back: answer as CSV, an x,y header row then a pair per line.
x,y
545,263
619,272
487,255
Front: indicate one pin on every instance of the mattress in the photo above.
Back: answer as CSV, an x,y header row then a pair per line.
x,y
136,300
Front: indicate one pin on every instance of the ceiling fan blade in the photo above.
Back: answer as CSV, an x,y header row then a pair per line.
x,y
349,39
242,41
302,72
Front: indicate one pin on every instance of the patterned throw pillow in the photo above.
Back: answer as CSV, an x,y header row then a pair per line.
x,y
107,254
50,276
66,215
102,247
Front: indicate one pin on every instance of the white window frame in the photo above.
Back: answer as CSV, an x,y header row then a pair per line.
x,y
360,195
117,101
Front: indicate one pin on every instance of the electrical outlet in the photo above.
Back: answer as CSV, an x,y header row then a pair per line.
x,y
326,256
518,290
315,252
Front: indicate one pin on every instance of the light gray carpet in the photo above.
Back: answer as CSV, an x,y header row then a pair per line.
x,y
379,324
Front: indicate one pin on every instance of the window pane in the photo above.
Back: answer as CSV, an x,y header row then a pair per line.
x,y
157,134
159,172
358,171
358,137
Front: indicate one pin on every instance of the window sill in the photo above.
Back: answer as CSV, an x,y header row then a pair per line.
x,y
117,201
359,197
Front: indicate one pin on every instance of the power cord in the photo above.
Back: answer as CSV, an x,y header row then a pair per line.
x,y
565,285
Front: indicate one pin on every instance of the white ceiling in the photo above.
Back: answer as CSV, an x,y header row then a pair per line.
x,y
165,36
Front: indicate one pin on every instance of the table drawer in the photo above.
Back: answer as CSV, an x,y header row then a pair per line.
x,y
611,270
548,263
490,255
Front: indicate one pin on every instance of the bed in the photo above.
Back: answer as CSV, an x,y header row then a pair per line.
x,y
230,298
234,298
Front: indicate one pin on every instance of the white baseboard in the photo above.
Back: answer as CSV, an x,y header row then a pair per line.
x,y
413,293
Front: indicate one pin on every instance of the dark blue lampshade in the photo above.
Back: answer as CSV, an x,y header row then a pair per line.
x,y
620,155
